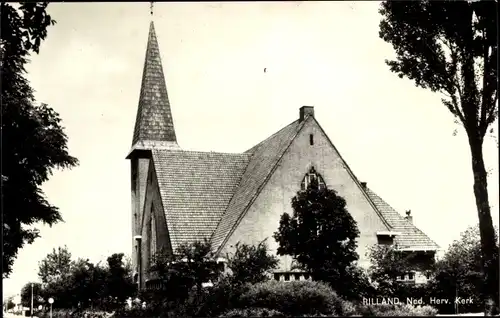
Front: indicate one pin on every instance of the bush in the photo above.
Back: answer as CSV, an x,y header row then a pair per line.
x,y
293,298
67,313
220,298
395,310
252,312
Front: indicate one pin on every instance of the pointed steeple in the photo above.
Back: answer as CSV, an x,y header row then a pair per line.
x,y
154,127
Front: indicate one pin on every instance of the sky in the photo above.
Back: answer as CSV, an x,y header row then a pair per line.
x,y
395,136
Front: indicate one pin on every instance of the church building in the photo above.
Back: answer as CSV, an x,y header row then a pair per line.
x,y
181,196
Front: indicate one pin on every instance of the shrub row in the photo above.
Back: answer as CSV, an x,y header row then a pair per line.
x,y
268,299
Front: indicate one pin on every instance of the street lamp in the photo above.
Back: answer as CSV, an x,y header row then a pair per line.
x,y
51,301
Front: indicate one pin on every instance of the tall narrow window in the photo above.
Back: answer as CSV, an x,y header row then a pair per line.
x,y
311,139
152,237
310,177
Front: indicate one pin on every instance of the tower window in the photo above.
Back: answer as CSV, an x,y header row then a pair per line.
x,y
311,139
312,177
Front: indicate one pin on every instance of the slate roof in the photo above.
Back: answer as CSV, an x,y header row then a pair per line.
x,y
195,189
154,120
411,237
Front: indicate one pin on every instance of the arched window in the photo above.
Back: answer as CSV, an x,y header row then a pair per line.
x,y
152,235
309,177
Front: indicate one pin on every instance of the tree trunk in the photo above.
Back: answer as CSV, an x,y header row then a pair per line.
x,y
487,232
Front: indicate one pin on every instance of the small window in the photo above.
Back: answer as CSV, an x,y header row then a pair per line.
x,y
311,139
277,277
410,276
297,276
287,277
311,176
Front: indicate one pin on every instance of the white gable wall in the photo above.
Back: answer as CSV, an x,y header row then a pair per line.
x,y
262,219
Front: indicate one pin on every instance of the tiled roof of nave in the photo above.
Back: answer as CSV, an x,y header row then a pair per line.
x,y
196,188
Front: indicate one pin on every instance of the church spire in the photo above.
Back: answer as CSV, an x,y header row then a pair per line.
x,y
154,127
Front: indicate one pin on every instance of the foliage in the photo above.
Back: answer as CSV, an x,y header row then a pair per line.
x,y
87,283
223,296
81,284
250,263
387,264
451,47
252,312
321,236
65,313
33,141
55,265
10,303
458,273
119,284
192,265
395,310
293,298
26,294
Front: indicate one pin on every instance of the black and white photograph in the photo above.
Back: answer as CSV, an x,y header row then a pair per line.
x,y
249,159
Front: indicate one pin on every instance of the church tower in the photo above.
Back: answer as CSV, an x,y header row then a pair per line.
x,y
154,129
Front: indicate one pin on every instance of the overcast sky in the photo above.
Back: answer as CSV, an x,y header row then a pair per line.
x,y
396,137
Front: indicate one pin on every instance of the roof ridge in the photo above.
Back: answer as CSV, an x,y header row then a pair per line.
x,y
254,147
232,196
261,186
204,152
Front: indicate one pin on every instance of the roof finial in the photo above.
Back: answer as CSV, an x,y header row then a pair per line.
x,y
151,7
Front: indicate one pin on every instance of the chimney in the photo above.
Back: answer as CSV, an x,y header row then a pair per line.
x,y
408,216
363,185
306,111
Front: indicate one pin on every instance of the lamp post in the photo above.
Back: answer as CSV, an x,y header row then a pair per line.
x,y
51,301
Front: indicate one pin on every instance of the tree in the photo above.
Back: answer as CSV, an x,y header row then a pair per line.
x,y
10,303
54,272
119,285
250,263
190,266
55,266
321,236
37,294
33,141
459,273
87,284
451,47
387,263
